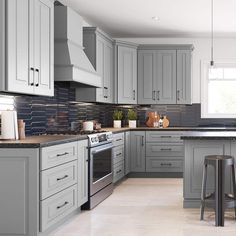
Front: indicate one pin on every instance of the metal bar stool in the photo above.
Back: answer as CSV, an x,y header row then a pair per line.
x,y
218,199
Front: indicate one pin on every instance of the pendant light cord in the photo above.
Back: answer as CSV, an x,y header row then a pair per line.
x,y
212,33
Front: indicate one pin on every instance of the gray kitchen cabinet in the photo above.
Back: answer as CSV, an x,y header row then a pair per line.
x,y
44,47
127,153
164,74
82,172
195,152
166,77
118,156
184,65
125,73
137,145
164,152
147,77
98,47
19,191
29,47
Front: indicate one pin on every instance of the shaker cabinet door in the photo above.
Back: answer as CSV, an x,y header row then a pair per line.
x,y
127,75
43,48
19,76
137,141
166,76
184,77
147,77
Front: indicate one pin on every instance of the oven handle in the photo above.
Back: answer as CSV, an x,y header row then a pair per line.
x,y
102,149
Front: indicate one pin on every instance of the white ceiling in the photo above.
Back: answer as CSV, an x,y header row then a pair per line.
x,y
178,18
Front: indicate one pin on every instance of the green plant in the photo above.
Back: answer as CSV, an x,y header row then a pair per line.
x,y
117,115
132,114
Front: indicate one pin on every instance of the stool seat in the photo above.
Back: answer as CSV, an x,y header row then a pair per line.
x,y
218,200
213,159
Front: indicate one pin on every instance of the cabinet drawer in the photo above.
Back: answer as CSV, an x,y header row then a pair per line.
x,y
57,207
118,139
163,136
153,149
58,178
58,154
118,171
163,165
118,154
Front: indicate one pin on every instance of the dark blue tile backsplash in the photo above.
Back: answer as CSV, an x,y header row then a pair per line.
x,y
43,114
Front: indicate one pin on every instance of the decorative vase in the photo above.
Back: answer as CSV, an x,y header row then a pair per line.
x,y
132,123
117,123
166,122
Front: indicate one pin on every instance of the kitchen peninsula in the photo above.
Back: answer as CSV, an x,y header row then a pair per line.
x,y
197,145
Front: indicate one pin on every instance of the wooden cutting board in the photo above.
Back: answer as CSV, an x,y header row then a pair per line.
x,y
151,119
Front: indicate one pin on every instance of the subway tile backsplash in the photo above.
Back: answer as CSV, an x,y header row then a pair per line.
x,y
43,114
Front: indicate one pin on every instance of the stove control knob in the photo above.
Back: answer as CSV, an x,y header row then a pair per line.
x,y
93,140
96,139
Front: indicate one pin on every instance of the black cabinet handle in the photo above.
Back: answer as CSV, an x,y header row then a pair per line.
x,y
105,87
165,136
58,207
154,95
36,85
118,154
120,139
134,93
64,177
178,93
142,140
166,149
62,154
158,95
117,172
166,164
105,97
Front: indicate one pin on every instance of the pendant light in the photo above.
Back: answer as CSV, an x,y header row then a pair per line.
x,y
212,35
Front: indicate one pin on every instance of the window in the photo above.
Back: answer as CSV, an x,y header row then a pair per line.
x,y
218,94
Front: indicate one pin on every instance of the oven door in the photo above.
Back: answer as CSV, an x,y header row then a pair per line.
x,y
100,167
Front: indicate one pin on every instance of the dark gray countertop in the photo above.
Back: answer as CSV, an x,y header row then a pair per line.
x,y
191,133
216,135
40,141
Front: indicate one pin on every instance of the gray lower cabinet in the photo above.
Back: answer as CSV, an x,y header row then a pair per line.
x,y
164,74
195,152
41,187
164,151
118,158
98,47
127,153
19,192
126,73
82,172
137,149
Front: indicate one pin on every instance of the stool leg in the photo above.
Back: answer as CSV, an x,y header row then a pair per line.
x,y
220,193
234,188
203,192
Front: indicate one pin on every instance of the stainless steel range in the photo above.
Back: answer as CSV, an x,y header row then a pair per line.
x,y
100,168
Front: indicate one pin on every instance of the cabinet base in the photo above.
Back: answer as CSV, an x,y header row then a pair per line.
x,y
155,175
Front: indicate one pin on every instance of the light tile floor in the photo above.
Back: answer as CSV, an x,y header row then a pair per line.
x,y
146,207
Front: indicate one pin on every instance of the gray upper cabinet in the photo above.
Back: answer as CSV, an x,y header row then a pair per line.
x,y
164,74
184,58
98,47
137,144
166,77
147,77
29,47
126,73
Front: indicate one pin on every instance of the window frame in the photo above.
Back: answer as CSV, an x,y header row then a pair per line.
x,y
204,89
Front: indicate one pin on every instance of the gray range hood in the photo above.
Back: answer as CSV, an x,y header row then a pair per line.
x,y
71,63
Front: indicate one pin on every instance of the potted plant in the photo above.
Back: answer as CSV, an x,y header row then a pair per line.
x,y
132,117
117,117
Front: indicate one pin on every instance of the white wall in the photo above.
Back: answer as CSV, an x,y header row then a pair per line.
x,y
224,48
